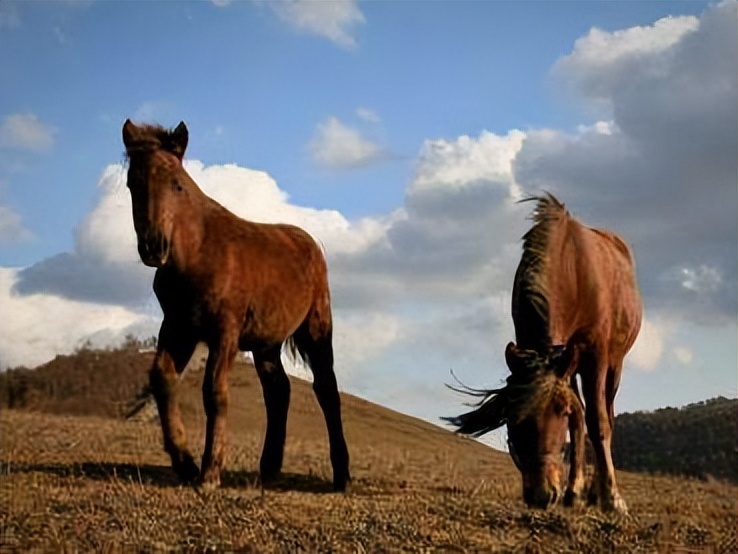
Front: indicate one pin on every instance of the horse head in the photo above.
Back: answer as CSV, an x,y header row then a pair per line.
x,y
537,426
161,191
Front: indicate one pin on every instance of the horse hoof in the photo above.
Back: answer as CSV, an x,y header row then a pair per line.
x,y
186,470
342,484
572,499
616,504
269,477
208,485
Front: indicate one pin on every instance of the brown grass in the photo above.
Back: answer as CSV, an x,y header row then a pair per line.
x,y
99,484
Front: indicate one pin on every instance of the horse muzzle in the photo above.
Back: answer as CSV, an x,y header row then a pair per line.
x,y
154,249
541,497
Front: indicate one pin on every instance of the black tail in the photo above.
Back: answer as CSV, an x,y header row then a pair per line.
x,y
143,399
490,412
295,349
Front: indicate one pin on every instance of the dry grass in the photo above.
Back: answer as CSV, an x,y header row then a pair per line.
x,y
86,483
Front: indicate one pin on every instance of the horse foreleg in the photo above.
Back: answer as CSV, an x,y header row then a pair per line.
x,y
173,353
577,460
276,388
215,400
598,410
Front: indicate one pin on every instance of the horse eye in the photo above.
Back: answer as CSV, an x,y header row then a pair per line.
x,y
177,186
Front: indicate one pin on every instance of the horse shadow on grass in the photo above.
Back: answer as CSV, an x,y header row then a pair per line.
x,y
163,476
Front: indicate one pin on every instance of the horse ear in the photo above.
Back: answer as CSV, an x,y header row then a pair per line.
x,y
180,137
129,133
513,357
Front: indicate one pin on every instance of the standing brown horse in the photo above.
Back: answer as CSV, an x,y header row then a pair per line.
x,y
577,311
235,285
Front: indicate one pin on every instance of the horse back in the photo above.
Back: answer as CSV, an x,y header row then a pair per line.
x,y
583,285
606,302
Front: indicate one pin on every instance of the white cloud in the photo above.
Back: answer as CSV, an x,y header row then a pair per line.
x,y
35,328
452,164
331,19
12,230
601,58
683,355
368,115
361,338
702,279
338,146
25,131
648,348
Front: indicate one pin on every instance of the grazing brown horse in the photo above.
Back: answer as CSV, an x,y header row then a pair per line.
x,y
577,311
235,285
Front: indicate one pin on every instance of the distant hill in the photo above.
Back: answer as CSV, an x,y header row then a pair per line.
x,y
88,382
698,440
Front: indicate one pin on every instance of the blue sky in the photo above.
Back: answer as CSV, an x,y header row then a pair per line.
x,y
400,134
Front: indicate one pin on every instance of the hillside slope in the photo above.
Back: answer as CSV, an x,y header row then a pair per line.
x,y
99,483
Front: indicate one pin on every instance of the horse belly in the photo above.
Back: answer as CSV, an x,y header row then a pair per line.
x,y
269,323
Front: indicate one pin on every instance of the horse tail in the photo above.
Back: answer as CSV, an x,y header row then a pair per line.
x,y
296,350
312,342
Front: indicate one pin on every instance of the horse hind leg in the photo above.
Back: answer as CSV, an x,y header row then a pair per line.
x,y
317,349
276,388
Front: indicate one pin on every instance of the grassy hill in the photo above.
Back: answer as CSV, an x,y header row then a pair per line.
x,y
75,476
699,440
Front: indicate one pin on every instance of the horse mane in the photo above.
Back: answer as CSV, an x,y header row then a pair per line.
x,y
525,393
531,278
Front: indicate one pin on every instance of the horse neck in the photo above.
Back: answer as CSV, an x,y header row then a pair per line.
x,y
567,247
535,295
190,229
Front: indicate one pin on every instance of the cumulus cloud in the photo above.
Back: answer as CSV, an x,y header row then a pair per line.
x,y
25,131
337,146
104,265
648,348
36,327
460,215
663,172
335,20
12,230
602,60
